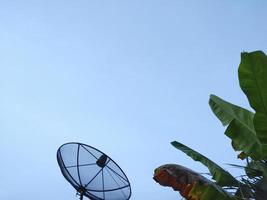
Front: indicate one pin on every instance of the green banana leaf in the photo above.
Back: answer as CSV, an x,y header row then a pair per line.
x,y
241,129
226,112
244,141
209,192
222,177
256,169
252,74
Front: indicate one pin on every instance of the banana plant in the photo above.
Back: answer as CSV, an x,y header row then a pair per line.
x,y
248,133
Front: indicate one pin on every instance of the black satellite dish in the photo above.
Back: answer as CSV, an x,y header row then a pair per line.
x,y
92,173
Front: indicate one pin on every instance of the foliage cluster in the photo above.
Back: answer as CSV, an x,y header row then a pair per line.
x,y
248,133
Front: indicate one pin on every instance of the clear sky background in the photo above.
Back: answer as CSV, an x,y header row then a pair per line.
x,y
127,77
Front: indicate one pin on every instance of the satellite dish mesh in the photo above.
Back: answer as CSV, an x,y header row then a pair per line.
x,y
92,173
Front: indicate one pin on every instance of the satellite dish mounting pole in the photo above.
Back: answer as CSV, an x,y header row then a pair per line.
x,y
81,191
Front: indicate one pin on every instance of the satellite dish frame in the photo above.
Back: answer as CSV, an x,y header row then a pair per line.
x,y
81,191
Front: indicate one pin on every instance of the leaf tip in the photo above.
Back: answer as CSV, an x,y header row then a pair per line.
x,y
212,95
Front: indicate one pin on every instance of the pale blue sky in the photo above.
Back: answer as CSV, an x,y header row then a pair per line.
x,y
127,77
